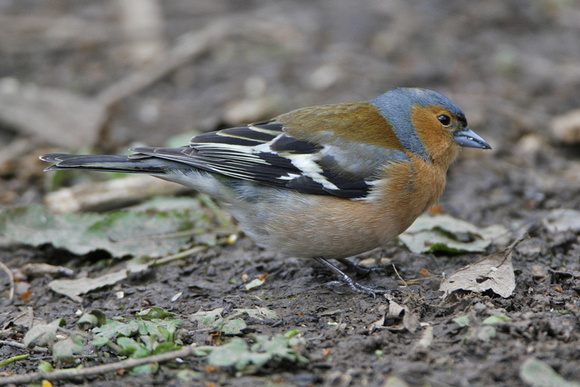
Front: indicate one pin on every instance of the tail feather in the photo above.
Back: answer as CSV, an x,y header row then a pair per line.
x,y
106,163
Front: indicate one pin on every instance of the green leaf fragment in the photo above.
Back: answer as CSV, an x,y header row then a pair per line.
x,y
462,321
237,354
111,330
537,373
154,313
497,319
189,376
230,325
45,366
65,350
95,318
132,348
257,313
145,369
166,346
486,333
13,359
206,319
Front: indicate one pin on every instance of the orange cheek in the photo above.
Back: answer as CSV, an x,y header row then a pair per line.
x,y
436,139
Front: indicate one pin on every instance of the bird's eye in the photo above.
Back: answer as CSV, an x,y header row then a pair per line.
x,y
444,119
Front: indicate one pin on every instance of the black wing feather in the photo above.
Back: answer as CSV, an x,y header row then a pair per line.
x,y
258,152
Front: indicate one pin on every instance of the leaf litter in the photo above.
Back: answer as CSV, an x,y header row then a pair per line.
x,y
154,232
155,331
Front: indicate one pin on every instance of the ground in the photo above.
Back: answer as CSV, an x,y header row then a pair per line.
x,y
512,66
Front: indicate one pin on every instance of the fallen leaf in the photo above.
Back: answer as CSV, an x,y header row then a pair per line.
x,y
494,272
74,288
380,323
109,194
42,335
496,319
66,349
538,374
258,313
395,381
448,234
147,231
255,283
462,321
395,317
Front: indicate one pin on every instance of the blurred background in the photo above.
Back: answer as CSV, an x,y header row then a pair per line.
x,y
103,75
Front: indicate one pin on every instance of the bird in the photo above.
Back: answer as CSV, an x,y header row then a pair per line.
x,y
325,182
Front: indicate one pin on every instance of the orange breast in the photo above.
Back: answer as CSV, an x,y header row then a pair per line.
x,y
329,227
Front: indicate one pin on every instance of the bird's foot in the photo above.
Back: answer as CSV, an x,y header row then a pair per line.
x,y
351,265
352,284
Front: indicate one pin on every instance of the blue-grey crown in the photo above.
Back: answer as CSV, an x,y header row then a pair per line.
x,y
395,105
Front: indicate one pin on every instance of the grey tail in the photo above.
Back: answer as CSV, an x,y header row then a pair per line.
x,y
106,163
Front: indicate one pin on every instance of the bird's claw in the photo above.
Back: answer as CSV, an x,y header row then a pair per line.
x,y
344,279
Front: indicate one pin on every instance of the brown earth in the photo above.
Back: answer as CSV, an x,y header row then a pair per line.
x,y
512,66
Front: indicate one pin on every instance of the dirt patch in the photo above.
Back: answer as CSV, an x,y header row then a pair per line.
x,y
512,66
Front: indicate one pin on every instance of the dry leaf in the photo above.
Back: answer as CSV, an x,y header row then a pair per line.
x,y
380,323
397,314
494,272
256,282
443,233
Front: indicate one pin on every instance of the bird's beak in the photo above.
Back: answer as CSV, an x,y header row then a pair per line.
x,y
468,138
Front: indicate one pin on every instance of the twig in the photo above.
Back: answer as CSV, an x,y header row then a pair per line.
x,y
523,235
13,359
97,370
398,275
109,194
18,345
178,256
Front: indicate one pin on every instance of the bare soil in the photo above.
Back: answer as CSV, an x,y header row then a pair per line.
x,y
512,66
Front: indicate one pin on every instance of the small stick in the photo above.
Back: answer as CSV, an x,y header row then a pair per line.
x,y
97,370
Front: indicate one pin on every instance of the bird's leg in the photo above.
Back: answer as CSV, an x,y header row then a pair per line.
x,y
352,284
364,271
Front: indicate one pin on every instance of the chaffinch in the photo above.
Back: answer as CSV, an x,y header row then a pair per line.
x,y
322,182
